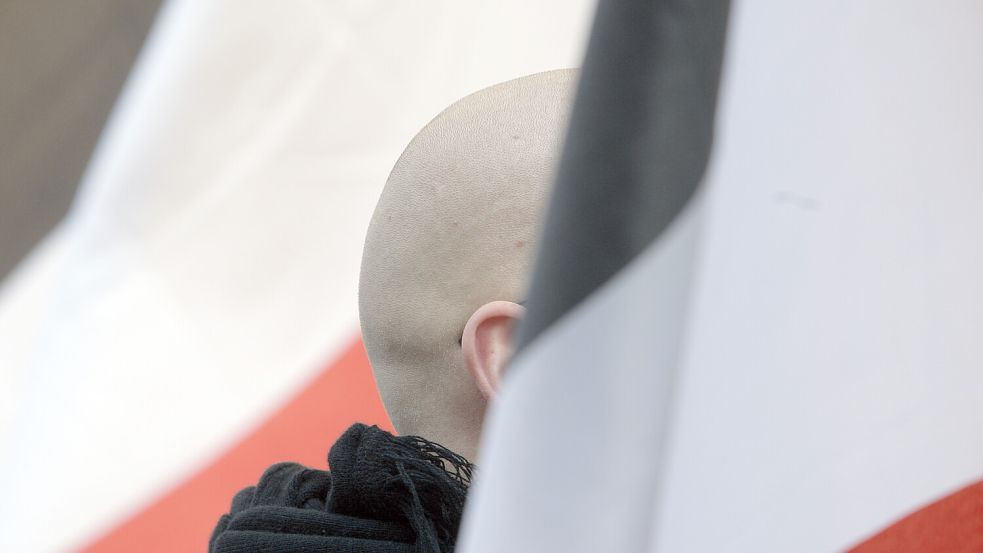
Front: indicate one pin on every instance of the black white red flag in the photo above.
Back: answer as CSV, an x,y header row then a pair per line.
x,y
754,321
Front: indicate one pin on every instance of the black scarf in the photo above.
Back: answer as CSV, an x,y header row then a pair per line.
x,y
384,494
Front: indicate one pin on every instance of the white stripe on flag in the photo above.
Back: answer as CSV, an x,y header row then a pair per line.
x,y
832,380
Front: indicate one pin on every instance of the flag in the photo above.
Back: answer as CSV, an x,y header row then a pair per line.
x,y
194,318
598,352
753,323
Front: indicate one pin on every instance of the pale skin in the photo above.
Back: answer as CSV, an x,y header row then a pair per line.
x,y
448,250
487,345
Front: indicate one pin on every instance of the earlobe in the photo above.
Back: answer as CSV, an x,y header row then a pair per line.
x,y
486,343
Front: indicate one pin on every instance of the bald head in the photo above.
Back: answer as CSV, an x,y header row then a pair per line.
x,y
448,249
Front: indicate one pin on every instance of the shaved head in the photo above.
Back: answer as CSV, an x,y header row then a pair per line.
x,y
454,230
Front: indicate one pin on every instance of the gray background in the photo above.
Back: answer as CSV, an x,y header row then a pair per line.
x,y
62,65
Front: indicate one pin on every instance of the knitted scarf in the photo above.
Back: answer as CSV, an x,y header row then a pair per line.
x,y
384,494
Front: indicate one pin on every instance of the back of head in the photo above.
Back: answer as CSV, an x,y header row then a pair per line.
x,y
454,230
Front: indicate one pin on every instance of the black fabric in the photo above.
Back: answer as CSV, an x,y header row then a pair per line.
x,y
384,494
636,150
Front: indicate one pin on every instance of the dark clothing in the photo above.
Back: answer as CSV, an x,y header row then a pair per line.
x,y
384,494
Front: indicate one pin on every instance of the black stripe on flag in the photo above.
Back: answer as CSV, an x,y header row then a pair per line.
x,y
638,144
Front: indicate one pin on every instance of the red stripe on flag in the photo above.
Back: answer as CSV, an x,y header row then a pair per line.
x,y
301,431
953,524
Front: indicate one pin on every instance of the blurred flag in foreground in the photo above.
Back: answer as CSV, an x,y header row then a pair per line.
x,y
757,330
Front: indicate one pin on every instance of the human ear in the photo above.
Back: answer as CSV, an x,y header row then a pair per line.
x,y
487,343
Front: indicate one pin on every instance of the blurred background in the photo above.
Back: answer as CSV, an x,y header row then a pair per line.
x,y
184,190
62,65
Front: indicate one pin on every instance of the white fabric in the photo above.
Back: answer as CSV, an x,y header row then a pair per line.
x,y
572,452
830,376
832,382
209,266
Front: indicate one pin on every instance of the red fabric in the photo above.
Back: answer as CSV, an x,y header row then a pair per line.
x,y
953,524
302,430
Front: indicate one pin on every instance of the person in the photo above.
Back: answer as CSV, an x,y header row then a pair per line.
x,y
441,286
